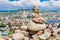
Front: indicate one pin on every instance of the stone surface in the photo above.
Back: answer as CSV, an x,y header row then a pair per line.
x,y
26,38
35,37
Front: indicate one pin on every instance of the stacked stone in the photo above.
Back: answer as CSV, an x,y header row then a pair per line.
x,y
23,34
34,30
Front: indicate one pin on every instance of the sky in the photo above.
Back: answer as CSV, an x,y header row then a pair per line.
x,y
26,4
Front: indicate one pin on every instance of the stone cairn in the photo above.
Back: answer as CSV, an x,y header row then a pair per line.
x,y
33,31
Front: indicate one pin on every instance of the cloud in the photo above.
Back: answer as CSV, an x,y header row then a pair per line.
x,y
52,4
4,1
56,4
27,2
23,3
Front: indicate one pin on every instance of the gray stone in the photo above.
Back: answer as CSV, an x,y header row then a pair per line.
x,y
35,37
